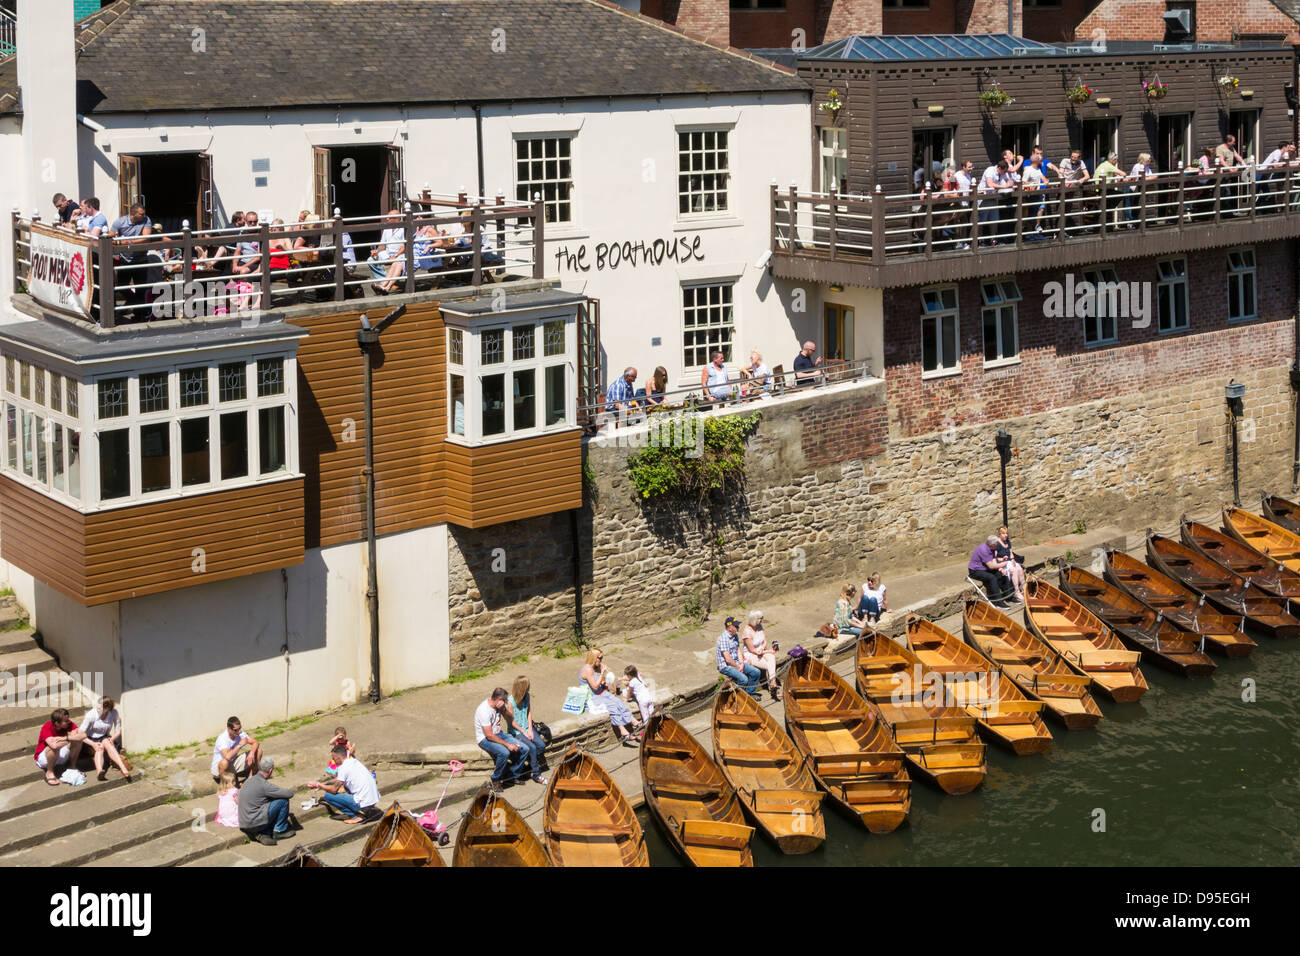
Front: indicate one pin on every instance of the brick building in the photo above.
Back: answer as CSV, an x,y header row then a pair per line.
x,y
803,24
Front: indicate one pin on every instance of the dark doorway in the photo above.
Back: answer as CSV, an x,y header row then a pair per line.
x,y
1100,138
1173,141
931,148
1020,138
359,181
174,187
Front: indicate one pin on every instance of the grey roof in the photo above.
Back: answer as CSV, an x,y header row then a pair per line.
x,y
139,55
930,46
486,304
58,336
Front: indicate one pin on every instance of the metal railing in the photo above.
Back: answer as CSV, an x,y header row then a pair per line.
x,y
877,228
741,392
8,33
434,243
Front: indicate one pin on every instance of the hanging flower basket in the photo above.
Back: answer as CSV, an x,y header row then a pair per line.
x,y
1079,93
833,104
995,97
1155,90
1228,83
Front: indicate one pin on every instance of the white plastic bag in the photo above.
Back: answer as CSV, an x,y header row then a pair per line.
x,y
74,777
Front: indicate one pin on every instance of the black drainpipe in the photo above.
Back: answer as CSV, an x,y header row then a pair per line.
x,y
577,572
478,133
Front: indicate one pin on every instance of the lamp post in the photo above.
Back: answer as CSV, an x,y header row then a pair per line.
x,y
1003,442
367,338
1233,393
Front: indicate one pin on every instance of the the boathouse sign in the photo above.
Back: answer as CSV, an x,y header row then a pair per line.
x,y
60,275
629,254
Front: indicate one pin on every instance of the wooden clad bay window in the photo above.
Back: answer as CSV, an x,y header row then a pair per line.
x,y
154,433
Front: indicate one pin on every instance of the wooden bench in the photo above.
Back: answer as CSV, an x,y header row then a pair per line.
x,y
715,834
570,785
785,801
860,792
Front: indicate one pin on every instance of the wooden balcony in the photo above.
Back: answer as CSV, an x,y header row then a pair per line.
x,y
881,242
453,242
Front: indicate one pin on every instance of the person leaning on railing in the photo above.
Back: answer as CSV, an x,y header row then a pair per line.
x,y
713,379
655,391
1141,171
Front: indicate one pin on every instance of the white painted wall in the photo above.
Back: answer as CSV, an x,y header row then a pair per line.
x,y
184,661
625,185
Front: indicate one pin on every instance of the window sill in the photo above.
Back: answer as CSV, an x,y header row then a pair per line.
x,y
1002,363
464,442
153,497
941,373
1099,343
1243,318
707,221
1175,330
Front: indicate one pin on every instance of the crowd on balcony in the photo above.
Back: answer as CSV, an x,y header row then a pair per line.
x,y
1112,202
301,254
753,380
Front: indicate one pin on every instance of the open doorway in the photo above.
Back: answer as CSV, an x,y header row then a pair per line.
x,y
358,181
1173,141
1020,138
173,187
931,149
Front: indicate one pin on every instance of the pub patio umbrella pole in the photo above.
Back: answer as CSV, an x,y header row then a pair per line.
x,y
367,337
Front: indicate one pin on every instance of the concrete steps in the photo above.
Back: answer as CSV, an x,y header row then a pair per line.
x,y
193,844
77,831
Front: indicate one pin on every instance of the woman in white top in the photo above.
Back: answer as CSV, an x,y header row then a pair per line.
x,y
874,602
756,651
103,727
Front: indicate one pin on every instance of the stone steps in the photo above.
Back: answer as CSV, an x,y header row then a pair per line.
x,y
188,845
19,741
77,831
36,794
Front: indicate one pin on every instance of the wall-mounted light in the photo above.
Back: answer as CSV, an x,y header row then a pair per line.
x,y
1103,101
837,288
1247,94
935,110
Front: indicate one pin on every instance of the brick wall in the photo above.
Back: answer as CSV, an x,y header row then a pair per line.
x,y
775,29
1057,369
710,19
845,18
837,430
990,16
1217,21
1054,24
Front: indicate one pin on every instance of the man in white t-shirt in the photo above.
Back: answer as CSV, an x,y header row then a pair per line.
x,y
235,751
509,757
353,792
392,246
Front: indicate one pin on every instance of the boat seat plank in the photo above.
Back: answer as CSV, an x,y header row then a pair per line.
x,y
589,829
662,748
891,660
785,801
715,834
800,713
570,785
739,721
758,756
1047,606
684,787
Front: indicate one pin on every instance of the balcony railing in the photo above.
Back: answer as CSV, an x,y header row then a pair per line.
x,y
450,242
736,393
884,233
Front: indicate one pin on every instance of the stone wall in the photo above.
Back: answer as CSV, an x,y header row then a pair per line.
x,y
899,504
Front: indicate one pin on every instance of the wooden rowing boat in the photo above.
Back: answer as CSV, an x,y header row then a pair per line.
x,y
1227,591
849,749
1255,566
1178,603
587,820
941,742
1160,642
299,857
760,761
1282,511
397,840
1033,666
1264,536
1004,713
690,798
494,834
1087,644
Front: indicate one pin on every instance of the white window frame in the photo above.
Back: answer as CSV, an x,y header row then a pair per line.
x,y
42,438
937,316
1000,294
1237,275
728,209
834,155
1168,282
1097,275
473,370
690,372
537,186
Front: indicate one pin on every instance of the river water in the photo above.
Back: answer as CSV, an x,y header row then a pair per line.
x,y
1192,775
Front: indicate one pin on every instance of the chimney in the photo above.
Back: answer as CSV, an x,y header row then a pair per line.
x,y
47,80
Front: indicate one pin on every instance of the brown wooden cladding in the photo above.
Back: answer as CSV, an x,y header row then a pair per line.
x,y
150,548
885,102
410,409
491,484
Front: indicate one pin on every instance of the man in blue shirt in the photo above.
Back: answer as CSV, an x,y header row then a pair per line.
x,y
92,221
728,657
805,367
621,392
